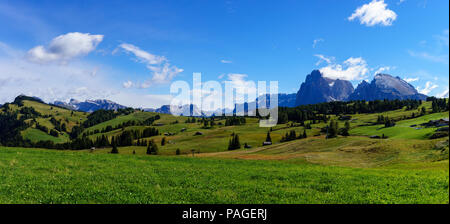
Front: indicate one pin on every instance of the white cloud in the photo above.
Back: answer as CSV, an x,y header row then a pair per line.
x,y
443,94
159,66
429,86
382,69
163,74
374,13
127,84
226,61
411,79
400,2
351,69
65,47
316,41
323,58
143,56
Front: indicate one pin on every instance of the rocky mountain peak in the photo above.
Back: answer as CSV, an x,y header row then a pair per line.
x,y
319,89
385,86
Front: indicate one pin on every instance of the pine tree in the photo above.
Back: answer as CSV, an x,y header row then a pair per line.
x,y
234,143
163,141
304,133
268,138
332,129
154,148
346,129
292,135
149,150
114,148
237,144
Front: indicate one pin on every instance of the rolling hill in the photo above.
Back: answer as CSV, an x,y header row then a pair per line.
x,y
194,164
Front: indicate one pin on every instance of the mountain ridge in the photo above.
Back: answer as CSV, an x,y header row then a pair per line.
x,y
384,86
90,105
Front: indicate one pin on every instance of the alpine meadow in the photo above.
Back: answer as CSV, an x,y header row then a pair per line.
x,y
245,106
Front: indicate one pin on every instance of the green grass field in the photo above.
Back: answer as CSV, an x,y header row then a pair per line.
x,y
35,135
49,176
402,129
408,167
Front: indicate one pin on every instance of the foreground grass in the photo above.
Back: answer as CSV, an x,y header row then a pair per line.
x,y
46,176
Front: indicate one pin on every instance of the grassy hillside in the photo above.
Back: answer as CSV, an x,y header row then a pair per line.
x,y
50,176
212,139
66,117
71,118
347,151
215,139
403,129
36,135
408,167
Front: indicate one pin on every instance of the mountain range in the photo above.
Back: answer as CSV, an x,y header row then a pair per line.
x,y
89,105
315,89
319,89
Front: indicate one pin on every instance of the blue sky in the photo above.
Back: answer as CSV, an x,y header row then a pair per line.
x,y
130,51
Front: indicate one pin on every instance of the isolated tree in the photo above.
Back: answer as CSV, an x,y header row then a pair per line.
x,y
304,133
346,129
153,148
347,125
268,138
149,149
333,128
234,143
237,144
114,148
163,141
177,152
